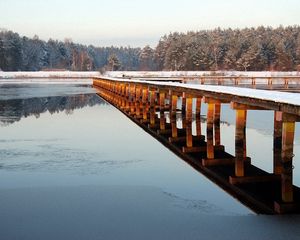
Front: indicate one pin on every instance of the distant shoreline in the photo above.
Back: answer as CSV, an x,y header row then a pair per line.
x,y
49,75
76,77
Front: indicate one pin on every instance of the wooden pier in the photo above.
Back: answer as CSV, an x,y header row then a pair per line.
x,y
148,104
280,83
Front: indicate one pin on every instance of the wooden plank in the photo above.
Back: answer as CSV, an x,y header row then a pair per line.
x,y
253,179
183,139
164,131
201,149
284,208
240,106
222,161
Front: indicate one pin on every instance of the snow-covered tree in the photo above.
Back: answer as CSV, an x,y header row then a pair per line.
x,y
146,59
113,62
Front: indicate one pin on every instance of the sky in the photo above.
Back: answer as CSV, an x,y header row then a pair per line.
x,y
137,23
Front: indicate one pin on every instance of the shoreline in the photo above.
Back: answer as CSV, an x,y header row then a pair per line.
x,y
48,75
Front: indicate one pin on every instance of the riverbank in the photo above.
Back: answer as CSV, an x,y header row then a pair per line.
x,y
48,74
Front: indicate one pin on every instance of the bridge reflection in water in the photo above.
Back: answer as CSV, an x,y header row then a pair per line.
x,y
148,105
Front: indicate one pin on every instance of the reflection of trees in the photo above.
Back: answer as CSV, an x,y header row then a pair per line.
x,y
13,110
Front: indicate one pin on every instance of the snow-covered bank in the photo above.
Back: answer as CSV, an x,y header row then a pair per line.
x,y
47,74
151,74
137,74
88,81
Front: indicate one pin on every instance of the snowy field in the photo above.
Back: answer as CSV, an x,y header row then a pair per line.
x,y
48,77
57,77
150,74
197,73
88,81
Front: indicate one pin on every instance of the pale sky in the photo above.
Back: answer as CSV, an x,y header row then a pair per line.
x,y
138,22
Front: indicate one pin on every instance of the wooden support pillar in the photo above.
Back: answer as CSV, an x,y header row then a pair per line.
x,y
189,108
132,92
210,130
145,95
189,115
168,97
173,110
198,116
277,143
240,135
138,93
138,90
174,100
198,105
116,88
132,98
152,116
120,89
173,125
162,96
162,121
137,108
240,141
152,97
288,131
217,124
145,102
183,102
198,126
145,111
126,90
152,105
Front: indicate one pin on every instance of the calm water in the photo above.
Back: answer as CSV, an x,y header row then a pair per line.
x,y
74,167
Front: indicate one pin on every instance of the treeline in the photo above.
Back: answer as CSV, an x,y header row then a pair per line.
x,y
262,48
246,49
25,54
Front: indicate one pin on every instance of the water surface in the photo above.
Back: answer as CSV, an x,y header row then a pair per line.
x,y
74,167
